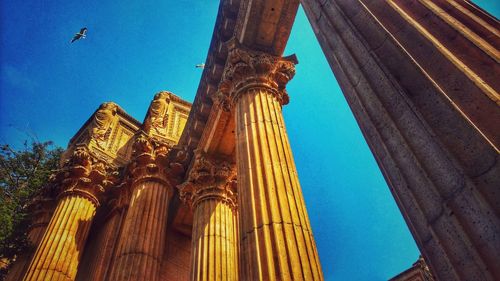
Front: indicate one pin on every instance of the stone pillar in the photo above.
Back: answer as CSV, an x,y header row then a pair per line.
x,y
142,239
43,208
275,234
421,78
211,192
100,250
58,255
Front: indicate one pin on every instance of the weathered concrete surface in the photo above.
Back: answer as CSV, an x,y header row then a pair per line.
x,y
419,77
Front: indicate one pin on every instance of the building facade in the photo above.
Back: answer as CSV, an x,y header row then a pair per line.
x,y
209,191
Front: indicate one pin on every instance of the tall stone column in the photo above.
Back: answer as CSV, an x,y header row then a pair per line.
x,y
100,250
42,209
142,240
59,252
211,192
421,78
275,234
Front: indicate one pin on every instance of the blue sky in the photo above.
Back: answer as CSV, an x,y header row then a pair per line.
x,y
48,88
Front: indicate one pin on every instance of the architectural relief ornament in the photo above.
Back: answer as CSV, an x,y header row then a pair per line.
x,y
85,175
247,69
209,178
102,124
157,117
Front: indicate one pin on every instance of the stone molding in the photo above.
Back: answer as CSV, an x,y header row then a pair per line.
x,y
252,69
210,178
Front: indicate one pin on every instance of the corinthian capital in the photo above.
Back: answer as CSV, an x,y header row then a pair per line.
x,y
85,175
246,69
209,178
149,160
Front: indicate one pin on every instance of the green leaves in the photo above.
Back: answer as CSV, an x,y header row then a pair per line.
x,y
23,173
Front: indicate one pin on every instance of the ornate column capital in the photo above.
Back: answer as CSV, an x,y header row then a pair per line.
x,y
209,178
251,69
85,175
149,160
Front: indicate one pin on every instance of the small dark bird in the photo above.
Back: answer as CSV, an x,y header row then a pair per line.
x,y
201,65
80,35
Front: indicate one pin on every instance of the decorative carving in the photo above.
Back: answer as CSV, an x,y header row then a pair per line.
x,y
157,119
249,69
102,123
85,175
209,178
149,159
142,148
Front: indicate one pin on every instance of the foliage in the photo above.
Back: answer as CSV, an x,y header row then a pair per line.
x,y
22,175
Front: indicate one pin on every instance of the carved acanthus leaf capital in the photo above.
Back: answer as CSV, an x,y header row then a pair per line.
x,y
86,175
247,69
209,178
149,159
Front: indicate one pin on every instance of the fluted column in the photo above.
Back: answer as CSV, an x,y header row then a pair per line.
x,y
421,78
142,240
42,213
275,234
211,191
97,260
59,252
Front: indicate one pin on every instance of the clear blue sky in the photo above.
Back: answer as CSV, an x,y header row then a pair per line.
x,y
134,49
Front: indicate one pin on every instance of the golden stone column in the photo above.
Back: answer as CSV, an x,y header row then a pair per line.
x,y
275,234
101,250
59,252
42,209
211,192
142,240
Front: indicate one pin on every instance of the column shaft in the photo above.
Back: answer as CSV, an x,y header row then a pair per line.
x,y
59,252
142,240
420,79
35,235
214,239
99,251
275,233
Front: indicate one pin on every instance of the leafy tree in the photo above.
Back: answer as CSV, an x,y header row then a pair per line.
x,y
23,173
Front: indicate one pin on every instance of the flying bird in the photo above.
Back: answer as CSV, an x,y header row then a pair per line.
x,y
80,35
201,65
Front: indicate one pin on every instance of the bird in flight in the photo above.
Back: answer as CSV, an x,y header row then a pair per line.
x,y
201,65
80,35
